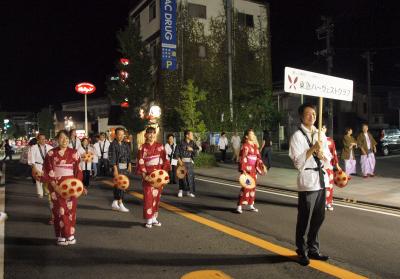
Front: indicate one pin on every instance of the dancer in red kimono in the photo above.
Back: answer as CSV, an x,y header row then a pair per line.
x,y
60,164
151,157
249,158
334,164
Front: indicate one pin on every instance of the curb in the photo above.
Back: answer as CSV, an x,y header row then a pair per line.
x,y
347,200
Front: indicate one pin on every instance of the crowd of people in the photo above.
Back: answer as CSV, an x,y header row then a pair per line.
x,y
312,152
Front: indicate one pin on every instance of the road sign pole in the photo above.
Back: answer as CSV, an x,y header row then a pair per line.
x,y
321,103
86,119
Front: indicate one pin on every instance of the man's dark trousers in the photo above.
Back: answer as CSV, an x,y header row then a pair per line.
x,y
311,207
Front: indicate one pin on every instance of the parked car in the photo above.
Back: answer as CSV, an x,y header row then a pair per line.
x,y
388,140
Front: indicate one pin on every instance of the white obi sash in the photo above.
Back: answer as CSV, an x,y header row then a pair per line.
x,y
64,170
153,160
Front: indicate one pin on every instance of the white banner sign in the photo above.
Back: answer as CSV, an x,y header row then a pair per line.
x,y
318,85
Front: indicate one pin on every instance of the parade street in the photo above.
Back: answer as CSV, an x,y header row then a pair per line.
x,y
201,233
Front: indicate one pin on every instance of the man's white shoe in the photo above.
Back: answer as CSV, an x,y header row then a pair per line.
x,y
329,207
180,194
115,205
71,240
189,194
252,208
122,208
239,209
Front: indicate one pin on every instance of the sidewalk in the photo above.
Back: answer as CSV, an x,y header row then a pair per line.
x,y
377,190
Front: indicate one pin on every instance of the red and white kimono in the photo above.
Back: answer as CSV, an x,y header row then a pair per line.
x,y
329,169
150,158
249,156
59,166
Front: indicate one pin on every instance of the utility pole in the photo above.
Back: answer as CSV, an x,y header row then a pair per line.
x,y
325,31
229,38
368,57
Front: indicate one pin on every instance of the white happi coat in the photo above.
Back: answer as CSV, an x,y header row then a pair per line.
x,y
88,165
34,156
98,146
308,180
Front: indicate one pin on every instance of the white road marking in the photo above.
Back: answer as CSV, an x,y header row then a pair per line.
x,y
295,197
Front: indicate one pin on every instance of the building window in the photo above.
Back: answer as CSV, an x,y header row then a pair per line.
x,y
153,51
136,22
245,20
152,11
198,11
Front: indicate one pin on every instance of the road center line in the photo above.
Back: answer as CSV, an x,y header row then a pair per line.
x,y
282,251
295,197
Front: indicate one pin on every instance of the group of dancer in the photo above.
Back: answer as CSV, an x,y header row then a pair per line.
x,y
313,155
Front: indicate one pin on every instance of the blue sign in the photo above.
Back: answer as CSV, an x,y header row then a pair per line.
x,y
168,34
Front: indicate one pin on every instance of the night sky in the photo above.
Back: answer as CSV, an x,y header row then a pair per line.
x,y
49,46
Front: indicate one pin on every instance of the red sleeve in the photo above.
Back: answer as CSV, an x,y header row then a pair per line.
x,y
141,168
48,168
243,158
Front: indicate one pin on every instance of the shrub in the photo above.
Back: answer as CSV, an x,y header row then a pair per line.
x,y
205,160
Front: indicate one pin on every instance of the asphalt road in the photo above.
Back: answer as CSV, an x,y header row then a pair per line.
x,y
116,245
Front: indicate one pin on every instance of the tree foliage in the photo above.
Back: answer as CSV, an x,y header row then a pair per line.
x,y
137,88
252,98
189,113
45,120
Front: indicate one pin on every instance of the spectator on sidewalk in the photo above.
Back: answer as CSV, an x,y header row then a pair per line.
x,y
249,158
8,150
266,149
223,146
367,145
235,141
309,154
170,147
349,145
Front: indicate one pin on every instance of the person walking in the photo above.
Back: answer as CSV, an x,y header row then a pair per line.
x,y
101,148
8,150
170,147
249,159
349,145
235,141
60,164
120,160
185,153
223,146
151,157
367,145
266,149
309,154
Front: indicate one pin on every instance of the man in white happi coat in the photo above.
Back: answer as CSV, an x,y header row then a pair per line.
x,y
36,156
101,148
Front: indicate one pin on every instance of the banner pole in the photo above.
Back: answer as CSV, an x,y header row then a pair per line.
x,y
321,103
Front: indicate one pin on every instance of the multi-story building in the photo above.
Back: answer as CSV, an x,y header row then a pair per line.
x,y
146,16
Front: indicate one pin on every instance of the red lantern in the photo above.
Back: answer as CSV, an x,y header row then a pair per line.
x,y
124,105
124,61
